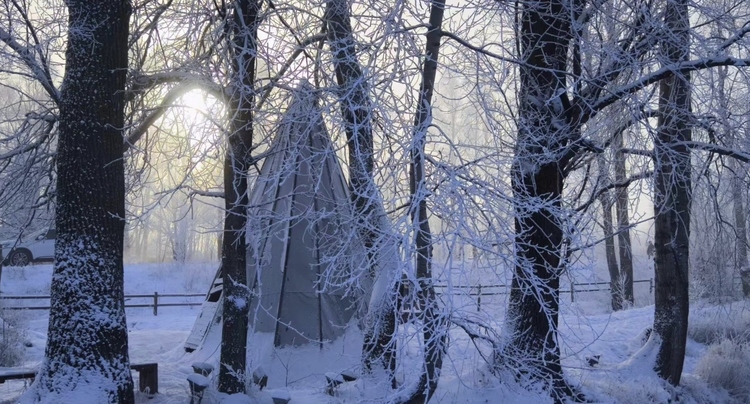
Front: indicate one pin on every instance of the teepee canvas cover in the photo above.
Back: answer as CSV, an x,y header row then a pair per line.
x,y
303,255
302,252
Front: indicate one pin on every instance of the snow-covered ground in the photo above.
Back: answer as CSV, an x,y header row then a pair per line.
x,y
587,327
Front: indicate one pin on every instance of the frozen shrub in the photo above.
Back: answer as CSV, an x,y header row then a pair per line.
x,y
727,365
713,324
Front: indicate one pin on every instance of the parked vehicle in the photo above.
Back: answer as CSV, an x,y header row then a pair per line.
x,y
36,247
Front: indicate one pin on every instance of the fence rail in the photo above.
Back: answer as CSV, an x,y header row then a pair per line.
x,y
492,290
155,301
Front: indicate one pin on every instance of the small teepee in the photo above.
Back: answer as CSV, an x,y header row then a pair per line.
x,y
305,262
302,254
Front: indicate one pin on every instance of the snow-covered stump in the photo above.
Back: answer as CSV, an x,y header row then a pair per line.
x,y
281,396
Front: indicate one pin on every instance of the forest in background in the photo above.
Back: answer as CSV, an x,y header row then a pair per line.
x,y
529,134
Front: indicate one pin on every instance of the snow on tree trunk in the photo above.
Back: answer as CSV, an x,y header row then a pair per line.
x,y
537,182
379,347
244,37
434,323
86,359
379,344
672,199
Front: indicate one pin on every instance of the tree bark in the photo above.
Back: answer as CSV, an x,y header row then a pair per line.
x,y
87,345
380,323
740,220
672,200
609,242
244,37
537,182
624,244
434,324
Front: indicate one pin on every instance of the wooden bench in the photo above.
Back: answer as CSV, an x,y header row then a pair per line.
x,y
148,376
17,374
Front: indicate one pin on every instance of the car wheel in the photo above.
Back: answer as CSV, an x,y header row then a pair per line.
x,y
19,258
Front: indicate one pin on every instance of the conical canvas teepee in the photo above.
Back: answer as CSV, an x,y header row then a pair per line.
x,y
302,255
305,263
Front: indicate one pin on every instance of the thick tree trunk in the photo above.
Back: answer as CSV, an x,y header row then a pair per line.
x,y
537,182
87,344
623,226
434,324
672,201
379,344
244,37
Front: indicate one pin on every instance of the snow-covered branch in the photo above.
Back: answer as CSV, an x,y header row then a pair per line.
x,y
613,185
724,151
660,74
143,83
39,72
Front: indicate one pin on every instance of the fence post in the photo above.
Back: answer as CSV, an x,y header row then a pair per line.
x,y
479,297
651,286
156,302
572,292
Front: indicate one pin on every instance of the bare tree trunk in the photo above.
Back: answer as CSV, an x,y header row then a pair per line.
x,y
537,181
672,200
244,37
434,324
87,345
740,227
737,173
624,244
379,344
609,242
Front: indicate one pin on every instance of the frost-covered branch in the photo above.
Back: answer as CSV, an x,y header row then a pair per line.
x,y
613,185
39,72
143,83
661,74
722,150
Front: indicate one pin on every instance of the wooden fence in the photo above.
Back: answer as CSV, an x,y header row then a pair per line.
x,y
155,301
497,290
